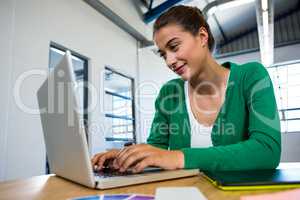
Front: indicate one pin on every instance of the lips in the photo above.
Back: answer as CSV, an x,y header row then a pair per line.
x,y
179,70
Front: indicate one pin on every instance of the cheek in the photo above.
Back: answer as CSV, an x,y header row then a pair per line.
x,y
190,52
197,55
185,53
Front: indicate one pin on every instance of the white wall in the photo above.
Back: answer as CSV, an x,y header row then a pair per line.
x,y
6,21
290,142
27,27
153,74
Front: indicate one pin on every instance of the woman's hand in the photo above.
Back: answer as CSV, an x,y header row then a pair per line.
x,y
99,160
143,155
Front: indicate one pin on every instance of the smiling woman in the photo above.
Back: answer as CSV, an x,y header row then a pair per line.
x,y
214,117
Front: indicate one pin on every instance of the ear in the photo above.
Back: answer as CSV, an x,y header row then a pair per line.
x,y
203,35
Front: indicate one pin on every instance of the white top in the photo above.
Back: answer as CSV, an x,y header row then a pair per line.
x,y
200,134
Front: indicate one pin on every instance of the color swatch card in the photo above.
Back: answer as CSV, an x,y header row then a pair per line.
x,y
116,197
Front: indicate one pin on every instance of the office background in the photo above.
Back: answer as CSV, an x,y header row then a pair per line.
x,y
110,41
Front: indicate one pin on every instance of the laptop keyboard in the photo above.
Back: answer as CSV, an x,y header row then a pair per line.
x,y
108,172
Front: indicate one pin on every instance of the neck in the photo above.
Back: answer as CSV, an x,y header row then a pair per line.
x,y
211,78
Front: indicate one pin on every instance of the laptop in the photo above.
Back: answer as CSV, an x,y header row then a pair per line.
x,y
255,179
65,136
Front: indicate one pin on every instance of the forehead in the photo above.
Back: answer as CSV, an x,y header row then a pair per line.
x,y
167,33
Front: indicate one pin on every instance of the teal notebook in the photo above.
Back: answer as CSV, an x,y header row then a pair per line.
x,y
255,179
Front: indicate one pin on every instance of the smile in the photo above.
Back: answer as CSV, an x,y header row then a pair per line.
x,y
179,70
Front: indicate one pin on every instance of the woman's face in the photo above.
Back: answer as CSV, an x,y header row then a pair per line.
x,y
183,52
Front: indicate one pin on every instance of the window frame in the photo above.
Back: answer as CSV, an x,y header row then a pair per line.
x,y
85,78
282,111
110,115
85,82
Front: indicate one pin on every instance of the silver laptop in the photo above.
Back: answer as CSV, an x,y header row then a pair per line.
x,y
65,137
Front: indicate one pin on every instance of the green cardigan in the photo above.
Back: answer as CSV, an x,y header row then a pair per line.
x,y
245,134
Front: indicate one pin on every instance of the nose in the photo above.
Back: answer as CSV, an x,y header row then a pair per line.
x,y
171,60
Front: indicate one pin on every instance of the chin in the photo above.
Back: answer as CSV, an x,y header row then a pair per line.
x,y
185,77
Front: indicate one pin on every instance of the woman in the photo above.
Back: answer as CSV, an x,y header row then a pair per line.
x,y
214,117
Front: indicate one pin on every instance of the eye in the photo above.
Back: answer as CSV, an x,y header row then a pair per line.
x,y
173,47
162,55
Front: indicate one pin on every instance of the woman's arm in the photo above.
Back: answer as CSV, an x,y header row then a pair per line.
x,y
262,149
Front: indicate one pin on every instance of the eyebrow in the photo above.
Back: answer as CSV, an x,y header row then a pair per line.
x,y
168,43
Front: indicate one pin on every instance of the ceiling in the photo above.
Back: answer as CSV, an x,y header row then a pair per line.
x,y
234,28
230,23
238,20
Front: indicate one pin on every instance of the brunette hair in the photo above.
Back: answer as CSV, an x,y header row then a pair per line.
x,y
189,18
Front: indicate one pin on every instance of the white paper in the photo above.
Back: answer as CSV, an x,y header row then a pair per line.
x,y
179,193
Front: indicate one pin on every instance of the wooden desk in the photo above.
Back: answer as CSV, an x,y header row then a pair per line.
x,y
51,187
